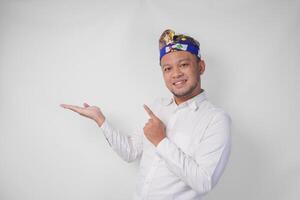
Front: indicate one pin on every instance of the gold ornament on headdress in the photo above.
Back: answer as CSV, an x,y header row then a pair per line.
x,y
166,38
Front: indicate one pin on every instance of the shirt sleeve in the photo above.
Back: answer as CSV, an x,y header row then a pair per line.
x,y
128,147
202,170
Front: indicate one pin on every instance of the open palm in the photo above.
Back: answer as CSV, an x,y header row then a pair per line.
x,y
92,112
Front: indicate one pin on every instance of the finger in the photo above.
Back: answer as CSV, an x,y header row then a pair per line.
x,y
150,121
149,111
72,107
62,105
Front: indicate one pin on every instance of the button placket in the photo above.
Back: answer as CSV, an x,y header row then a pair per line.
x,y
172,120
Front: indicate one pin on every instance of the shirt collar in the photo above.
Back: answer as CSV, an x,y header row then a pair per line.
x,y
193,102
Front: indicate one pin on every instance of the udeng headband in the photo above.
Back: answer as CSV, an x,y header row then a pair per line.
x,y
182,46
170,42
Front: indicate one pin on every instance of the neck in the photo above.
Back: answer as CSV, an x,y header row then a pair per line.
x,y
179,100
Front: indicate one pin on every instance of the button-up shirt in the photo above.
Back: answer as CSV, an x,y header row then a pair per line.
x,y
189,161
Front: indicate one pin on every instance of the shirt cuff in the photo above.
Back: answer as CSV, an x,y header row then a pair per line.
x,y
162,146
104,124
106,128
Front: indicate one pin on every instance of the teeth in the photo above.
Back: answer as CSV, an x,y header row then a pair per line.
x,y
180,82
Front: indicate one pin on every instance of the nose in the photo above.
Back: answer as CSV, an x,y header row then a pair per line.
x,y
177,72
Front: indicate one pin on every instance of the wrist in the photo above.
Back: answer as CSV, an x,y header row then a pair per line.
x,y
157,143
100,121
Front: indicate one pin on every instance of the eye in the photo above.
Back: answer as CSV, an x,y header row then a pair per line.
x,y
167,69
184,65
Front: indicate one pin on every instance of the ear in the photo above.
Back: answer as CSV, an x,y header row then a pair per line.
x,y
201,65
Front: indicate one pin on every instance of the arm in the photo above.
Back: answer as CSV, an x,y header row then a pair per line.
x,y
129,148
202,170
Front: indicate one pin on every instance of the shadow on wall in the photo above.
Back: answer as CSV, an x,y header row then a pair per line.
x,y
243,176
257,168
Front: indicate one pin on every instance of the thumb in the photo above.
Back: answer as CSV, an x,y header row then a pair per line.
x,y
86,105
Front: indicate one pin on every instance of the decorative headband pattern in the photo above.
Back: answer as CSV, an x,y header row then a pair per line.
x,y
169,42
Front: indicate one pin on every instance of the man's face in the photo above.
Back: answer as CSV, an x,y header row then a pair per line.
x,y
181,73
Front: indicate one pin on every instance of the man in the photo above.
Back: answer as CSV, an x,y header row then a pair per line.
x,y
185,144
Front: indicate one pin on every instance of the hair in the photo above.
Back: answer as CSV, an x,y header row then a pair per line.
x,y
198,59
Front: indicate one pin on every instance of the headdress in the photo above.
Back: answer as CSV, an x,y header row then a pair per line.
x,y
169,42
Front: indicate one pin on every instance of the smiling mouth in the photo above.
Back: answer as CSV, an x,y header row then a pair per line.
x,y
180,83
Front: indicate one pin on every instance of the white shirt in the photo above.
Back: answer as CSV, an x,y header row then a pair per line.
x,y
189,161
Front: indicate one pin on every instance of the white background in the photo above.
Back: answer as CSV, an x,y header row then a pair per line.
x,y
105,53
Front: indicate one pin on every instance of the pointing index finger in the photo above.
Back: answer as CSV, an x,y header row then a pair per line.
x,y
149,111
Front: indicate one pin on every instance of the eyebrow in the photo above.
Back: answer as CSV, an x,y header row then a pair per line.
x,y
184,59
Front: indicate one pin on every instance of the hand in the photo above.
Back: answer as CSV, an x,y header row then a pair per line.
x,y
154,129
92,112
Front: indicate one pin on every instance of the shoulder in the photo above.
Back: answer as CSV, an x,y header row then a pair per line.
x,y
216,113
218,123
